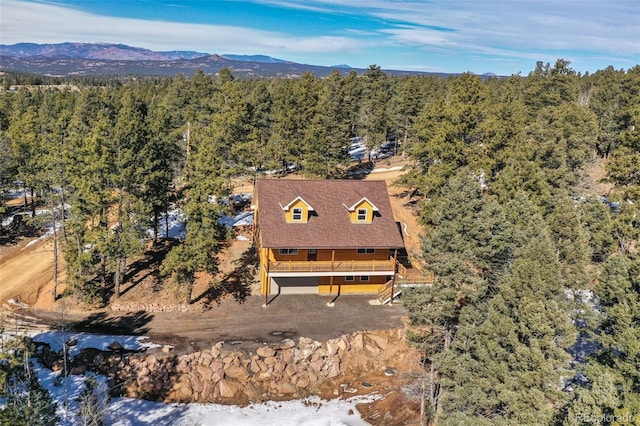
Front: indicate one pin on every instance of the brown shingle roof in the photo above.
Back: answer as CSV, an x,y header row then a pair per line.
x,y
330,225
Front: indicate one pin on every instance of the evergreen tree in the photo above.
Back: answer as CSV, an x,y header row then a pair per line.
x,y
466,247
26,401
328,131
450,134
612,394
509,366
375,115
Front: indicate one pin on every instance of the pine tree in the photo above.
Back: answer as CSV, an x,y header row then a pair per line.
x,y
375,114
466,246
509,365
27,402
327,133
613,369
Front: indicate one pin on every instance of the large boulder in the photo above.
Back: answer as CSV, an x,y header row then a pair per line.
x,y
228,388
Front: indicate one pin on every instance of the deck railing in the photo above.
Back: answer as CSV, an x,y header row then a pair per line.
x,y
385,293
335,266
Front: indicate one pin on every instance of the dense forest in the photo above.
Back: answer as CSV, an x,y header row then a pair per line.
x,y
530,262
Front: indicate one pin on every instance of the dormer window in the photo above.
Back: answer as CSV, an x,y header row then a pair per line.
x,y
298,210
362,211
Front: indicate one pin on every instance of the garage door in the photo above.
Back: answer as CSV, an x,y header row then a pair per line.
x,y
294,285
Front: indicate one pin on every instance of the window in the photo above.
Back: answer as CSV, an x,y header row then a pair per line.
x,y
288,251
297,214
362,215
366,251
364,278
349,278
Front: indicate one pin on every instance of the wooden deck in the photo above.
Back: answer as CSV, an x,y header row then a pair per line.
x,y
335,266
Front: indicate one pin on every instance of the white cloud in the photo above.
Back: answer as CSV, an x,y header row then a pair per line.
x,y
502,33
47,23
611,27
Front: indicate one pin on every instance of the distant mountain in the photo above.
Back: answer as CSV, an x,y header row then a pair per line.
x,y
255,58
107,51
104,59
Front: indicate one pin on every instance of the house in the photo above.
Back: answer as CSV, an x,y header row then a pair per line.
x,y
324,236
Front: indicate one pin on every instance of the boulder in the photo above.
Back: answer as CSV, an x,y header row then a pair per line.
x,y
332,347
204,371
358,342
206,358
236,372
115,346
254,367
343,344
286,388
302,381
266,351
287,344
381,341
228,388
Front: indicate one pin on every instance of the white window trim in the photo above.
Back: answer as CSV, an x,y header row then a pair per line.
x,y
358,214
349,278
366,250
364,278
294,212
288,251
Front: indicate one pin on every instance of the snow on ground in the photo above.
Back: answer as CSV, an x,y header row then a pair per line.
x,y
177,227
242,218
136,412
55,339
307,412
177,220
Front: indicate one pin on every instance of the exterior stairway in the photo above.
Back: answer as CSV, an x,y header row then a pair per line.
x,y
405,277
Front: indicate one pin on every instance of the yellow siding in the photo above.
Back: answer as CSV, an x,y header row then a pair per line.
x,y
299,204
352,254
264,282
353,288
362,205
275,256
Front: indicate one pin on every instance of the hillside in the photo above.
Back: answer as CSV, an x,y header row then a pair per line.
x,y
91,59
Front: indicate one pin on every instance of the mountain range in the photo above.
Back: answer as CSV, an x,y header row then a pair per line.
x,y
108,59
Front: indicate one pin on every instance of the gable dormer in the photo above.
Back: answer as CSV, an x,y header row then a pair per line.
x,y
362,211
297,211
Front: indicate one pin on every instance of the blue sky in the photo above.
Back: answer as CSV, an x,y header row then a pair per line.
x,y
501,36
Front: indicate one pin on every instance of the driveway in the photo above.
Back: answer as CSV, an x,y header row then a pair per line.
x,y
245,325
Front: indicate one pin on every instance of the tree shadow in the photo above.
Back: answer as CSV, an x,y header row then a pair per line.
x,y
18,229
103,323
237,283
360,171
149,263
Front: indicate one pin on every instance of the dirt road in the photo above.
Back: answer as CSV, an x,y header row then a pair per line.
x,y
26,271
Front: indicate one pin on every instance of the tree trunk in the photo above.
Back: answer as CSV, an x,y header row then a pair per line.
x,y
33,203
116,279
166,223
55,251
189,290
63,216
24,197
